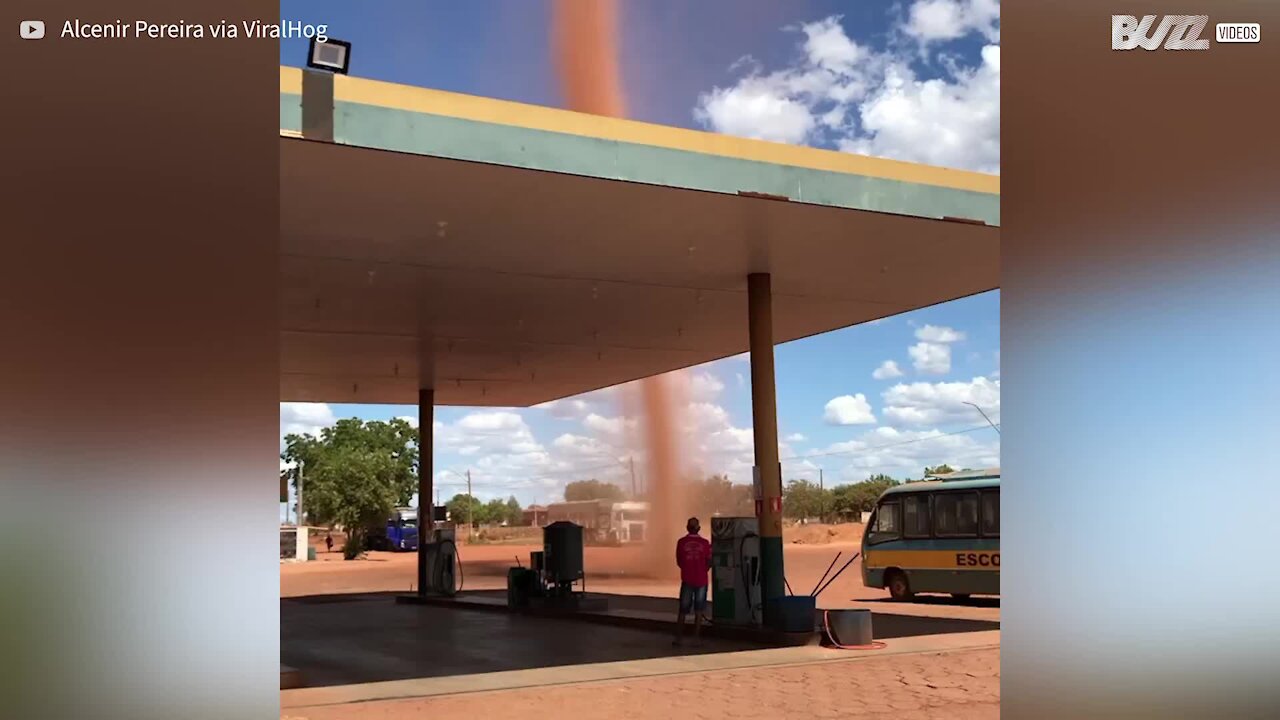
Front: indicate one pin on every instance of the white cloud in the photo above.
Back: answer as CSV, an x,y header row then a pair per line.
x,y
945,121
940,403
939,334
829,48
931,358
579,446
502,453
491,422
842,94
756,108
571,409
849,410
484,431
887,370
616,430
789,105
305,418
937,20
796,437
905,453
933,353
704,386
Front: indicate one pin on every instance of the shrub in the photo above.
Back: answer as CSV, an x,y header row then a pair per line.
x,y
353,548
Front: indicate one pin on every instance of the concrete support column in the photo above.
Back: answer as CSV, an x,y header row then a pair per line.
x,y
764,423
317,105
426,480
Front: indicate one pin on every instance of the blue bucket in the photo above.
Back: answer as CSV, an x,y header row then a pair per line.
x,y
792,613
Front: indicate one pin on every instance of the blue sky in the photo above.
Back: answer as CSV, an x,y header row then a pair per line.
x,y
672,50
916,81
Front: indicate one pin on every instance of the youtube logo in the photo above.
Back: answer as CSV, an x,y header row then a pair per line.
x,y
31,29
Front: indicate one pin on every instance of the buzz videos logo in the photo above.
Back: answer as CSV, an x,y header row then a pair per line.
x,y
1176,32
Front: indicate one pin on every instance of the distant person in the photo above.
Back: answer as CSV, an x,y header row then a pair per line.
x,y
328,541
693,555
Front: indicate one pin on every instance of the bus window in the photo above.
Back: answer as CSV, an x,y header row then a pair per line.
x,y
991,513
955,514
885,525
915,516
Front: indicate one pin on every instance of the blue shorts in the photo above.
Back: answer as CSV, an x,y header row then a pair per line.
x,y
692,598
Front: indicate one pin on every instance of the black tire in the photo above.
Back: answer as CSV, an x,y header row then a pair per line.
x,y
899,586
962,597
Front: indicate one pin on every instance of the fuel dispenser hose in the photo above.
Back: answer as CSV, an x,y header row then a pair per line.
x,y
457,560
742,570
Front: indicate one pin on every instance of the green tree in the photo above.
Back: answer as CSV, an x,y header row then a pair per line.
x,y
355,473
857,498
495,511
716,495
355,489
396,440
804,499
939,470
515,513
592,490
463,508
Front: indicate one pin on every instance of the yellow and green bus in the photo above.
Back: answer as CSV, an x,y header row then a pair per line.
x,y
937,536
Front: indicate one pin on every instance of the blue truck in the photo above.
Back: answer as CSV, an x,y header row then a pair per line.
x,y
402,530
401,533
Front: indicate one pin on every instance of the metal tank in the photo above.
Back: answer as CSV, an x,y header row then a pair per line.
x,y
562,554
849,627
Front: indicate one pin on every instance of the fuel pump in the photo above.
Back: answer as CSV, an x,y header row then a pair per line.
x,y
442,562
735,571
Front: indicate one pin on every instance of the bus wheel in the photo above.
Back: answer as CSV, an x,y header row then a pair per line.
x,y
899,588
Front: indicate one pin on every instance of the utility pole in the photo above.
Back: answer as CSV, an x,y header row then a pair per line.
x,y
471,506
822,499
632,463
300,515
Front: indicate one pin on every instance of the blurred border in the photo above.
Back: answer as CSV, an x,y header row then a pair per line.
x,y
138,382
1141,246
138,386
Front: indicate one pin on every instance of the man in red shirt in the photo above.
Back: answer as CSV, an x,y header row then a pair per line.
x,y
693,555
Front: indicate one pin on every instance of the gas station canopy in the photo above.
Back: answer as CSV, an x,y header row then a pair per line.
x,y
509,255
